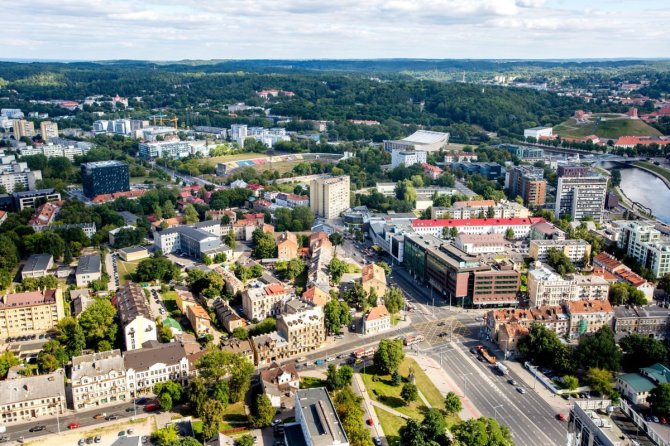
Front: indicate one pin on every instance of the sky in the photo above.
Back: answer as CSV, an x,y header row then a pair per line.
x,y
334,29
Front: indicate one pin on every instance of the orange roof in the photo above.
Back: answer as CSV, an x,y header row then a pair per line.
x,y
198,311
599,271
514,330
592,306
109,197
629,276
288,237
316,296
607,261
169,221
373,271
377,312
431,168
275,288
473,203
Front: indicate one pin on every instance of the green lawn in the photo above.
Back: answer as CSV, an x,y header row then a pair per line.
x,y
391,425
389,395
658,169
606,129
170,299
308,382
235,412
126,270
233,157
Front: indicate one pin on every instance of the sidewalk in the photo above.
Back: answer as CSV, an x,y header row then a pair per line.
x,y
446,384
359,387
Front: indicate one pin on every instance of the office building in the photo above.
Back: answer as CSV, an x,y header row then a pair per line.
x,y
98,380
27,399
32,312
23,128
497,285
136,320
548,288
520,226
48,130
329,197
637,386
19,173
192,241
488,170
424,140
318,422
528,183
524,153
37,265
575,250
481,243
33,198
304,331
580,193
642,241
599,422
165,149
480,209
538,132
407,157
88,270
105,177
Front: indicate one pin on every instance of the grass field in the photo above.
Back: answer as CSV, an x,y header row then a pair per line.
x,y
606,129
665,173
391,425
170,299
126,270
309,382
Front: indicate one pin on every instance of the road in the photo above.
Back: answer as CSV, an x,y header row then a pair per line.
x,y
184,177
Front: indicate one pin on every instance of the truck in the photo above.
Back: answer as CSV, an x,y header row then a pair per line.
x,y
486,355
502,369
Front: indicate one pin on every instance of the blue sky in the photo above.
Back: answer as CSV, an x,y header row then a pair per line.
x,y
303,29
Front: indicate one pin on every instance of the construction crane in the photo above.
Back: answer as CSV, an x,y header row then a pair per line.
x,y
162,117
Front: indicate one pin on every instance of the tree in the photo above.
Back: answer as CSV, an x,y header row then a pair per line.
x,y
264,243
388,356
197,394
336,269
336,314
452,403
71,336
240,333
230,238
168,209
664,283
212,417
453,232
267,325
337,378
659,399
7,361
221,393
434,425
641,351
165,400
166,436
348,408
560,262
157,268
97,322
169,388
599,350
394,300
409,393
600,380
336,239
385,266
245,440
412,434
623,293
396,378
158,212
45,242
264,411
190,214
356,296
543,347
481,432
509,234
570,382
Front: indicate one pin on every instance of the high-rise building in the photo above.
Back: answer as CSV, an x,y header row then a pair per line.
x,y
48,130
642,241
14,174
580,193
105,177
528,183
23,128
238,133
329,197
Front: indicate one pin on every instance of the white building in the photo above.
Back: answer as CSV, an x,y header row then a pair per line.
x,y
407,157
546,287
156,363
520,226
538,132
580,193
98,379
481,243
317,419
88,270
329,197
425,140
377,319
575,250
165,149
238,133
18,173
260,301
642,241
30,398
304,331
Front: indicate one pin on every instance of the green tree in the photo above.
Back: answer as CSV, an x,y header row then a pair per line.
x,y
169,388
190,214
264,411
212,417
240,333
230,239
165,401
267,325
412,434
409,393
659,399
434,426
168,209
71,336
221,393
197,394
453,232
336,269
600,380
560,262
509,234
265,246
166,436
570,382
158,212
385,266
543,347
663,282
336,239
97,322
45,242
482,432
336,314
7,361
641,351
245,440
394,300
599,351
388,356
452,403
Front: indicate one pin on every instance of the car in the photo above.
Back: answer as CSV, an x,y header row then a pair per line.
x,y
648,418
81,442
512,382
330,359
130,409
370,422
655,418
97,439
276,422
89,440
378,441
145,439
560,417
130,431
112,417
37,429
99,416
521,390
73,425
662,420
473,350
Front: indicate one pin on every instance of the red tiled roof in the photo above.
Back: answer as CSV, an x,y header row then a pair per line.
x,y
476,222
275,288
377,312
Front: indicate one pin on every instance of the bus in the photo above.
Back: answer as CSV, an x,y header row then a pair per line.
x,y
364,352
411,340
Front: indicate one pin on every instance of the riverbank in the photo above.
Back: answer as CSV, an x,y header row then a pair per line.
x,y
657,171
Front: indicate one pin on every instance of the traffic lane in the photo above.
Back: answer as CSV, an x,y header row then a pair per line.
x,y
85,419
487,390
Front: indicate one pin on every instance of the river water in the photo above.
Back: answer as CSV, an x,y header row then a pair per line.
x,y
646,189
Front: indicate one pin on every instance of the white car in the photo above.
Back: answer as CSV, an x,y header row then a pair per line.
x,y
330,359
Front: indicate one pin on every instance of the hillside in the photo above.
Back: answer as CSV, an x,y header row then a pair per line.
x,y
612,128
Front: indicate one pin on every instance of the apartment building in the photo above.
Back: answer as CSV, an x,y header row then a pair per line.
x,y
643,242
287,246
528,183
37,265
329,197
575,250
373,277
136,320
304,331
19,173
239,347
588,316
155,363
164,149
29,398
554,318
580,193
520,226
48,130
226,316
407,157
480,209
649,321
23,128
199,319
546,287
376,320
28,198
608,266
260,301
509,336
269,347
98,380
33,312
88,269
192,241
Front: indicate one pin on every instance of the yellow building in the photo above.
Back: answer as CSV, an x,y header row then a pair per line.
x,y
374,277
23,128
287,246
48,130
329,197
34,312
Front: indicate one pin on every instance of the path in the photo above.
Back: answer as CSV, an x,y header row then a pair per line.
x,y
389,409
359,387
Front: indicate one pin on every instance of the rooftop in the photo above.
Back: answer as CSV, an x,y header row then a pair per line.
x,y
29,299
152,353
377,312
426,137
89,264
97,364
477,222
132,303
320,417
592,306
37,262
30,388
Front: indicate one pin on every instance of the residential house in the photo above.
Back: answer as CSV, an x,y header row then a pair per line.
x,y
287,246
269,347
509,336
199,319
649,321
279,381
316,296
588,316
29,398
239,347
88,270
304,331
260,301
81,299
227,316
155,363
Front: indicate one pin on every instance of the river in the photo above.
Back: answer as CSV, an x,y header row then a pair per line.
x,y
646,189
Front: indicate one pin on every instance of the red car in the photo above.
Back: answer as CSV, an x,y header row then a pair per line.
x,y
662,420
73,425
560,417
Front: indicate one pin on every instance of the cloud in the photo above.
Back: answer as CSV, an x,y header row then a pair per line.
x,y
172,29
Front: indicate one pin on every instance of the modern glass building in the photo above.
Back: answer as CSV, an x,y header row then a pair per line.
x,y
105,177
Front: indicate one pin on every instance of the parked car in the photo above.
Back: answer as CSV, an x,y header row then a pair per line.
x,y
99,416
512,382
112,417
560,417
37,429
97,439
378,441
73,425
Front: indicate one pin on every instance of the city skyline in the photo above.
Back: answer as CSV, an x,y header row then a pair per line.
x,y
299,29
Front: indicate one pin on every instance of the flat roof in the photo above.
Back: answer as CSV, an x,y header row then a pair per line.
x,y
37,262
321,420
89,264
133,249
